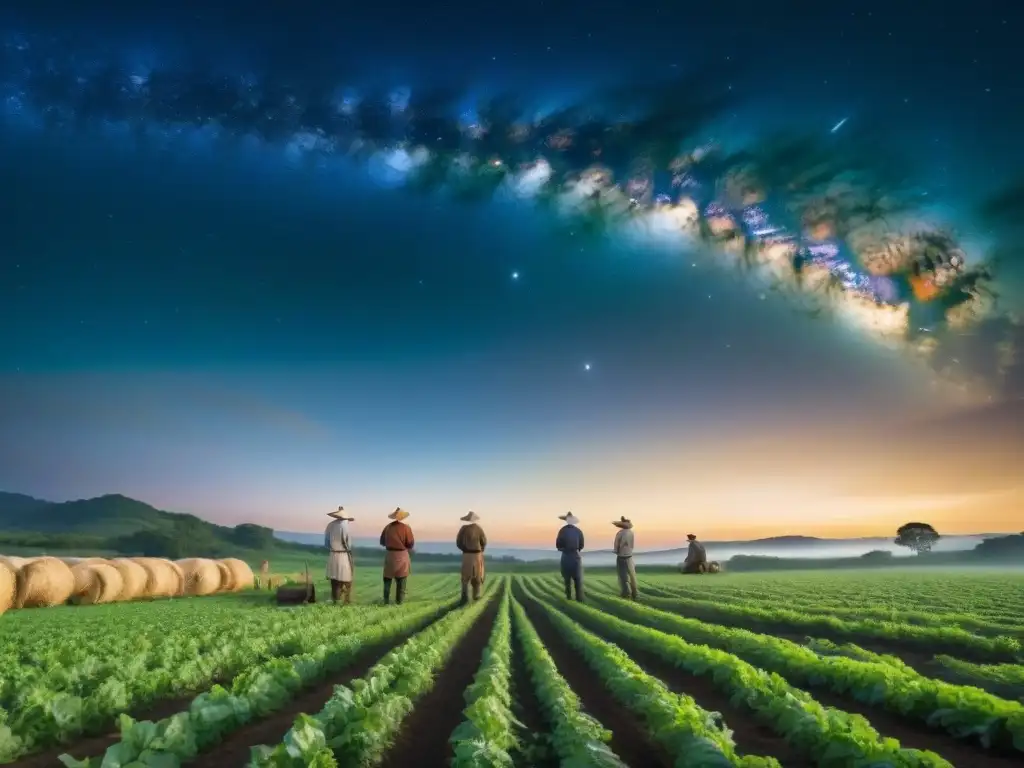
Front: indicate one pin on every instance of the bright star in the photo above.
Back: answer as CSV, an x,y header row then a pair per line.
x,y
515,275
586,366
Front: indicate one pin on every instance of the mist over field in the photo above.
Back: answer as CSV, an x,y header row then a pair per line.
x,y
794,546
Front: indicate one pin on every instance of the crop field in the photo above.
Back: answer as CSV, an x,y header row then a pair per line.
x,y
856,669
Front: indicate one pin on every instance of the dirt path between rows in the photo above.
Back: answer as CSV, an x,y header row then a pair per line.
x,y
750,736
234,751
423,736
630,738
536,749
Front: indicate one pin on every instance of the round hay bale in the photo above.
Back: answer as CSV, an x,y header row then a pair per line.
x,y
242,576
15,563
71,562
161,579
96,583
714,567
8,586
202,576
178,576
44,582
133,578
227,579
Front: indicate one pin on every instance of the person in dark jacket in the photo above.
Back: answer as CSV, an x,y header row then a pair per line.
x,y
570,543
471,541
696,556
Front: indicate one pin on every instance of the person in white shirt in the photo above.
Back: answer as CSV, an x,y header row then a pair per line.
x,y
340,567
624,565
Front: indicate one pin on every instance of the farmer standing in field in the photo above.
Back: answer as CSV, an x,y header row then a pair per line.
x,y
624,566
397,539
696,557
471,541
570,543
340,567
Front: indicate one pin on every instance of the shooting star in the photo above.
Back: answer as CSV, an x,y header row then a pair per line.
x,y
839,125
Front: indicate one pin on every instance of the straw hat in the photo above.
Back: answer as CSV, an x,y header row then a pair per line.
x,y
569,518
339,514
622,523
470,517
691,536
398,514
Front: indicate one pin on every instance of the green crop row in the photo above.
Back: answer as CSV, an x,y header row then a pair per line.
x,y
255,693
893,613
578,739
356,725
962,711
830,737
992,596
949,637
1006,679
486,736
50,705
693,736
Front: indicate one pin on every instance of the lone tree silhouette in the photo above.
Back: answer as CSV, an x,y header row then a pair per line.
x,y
917,536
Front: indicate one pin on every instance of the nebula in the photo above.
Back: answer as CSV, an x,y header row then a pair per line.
x,y
818,222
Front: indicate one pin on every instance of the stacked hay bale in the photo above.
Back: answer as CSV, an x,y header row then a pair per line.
x,y
163,578
133,578
44,582
241,575
227,579
14,563
96,581
201,576
8,586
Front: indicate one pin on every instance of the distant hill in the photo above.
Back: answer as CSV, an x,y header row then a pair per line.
x,y
120,524
111,515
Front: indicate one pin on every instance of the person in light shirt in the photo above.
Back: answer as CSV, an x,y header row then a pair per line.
x,y
340,567
624,566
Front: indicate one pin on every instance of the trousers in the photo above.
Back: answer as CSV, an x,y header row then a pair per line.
x,y
399,592
626,570
476,584
341,590
572,575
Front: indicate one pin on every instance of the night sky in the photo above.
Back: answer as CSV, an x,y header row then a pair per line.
x,y
214,327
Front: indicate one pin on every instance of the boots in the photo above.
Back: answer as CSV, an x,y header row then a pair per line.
x,y
400,596
465,594
387,591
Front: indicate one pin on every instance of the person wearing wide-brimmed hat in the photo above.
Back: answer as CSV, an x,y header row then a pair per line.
x,y
570,543
624,566
696,556
340,566
471,541
397,540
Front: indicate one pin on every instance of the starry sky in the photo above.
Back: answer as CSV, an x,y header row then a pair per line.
x,y
212,329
